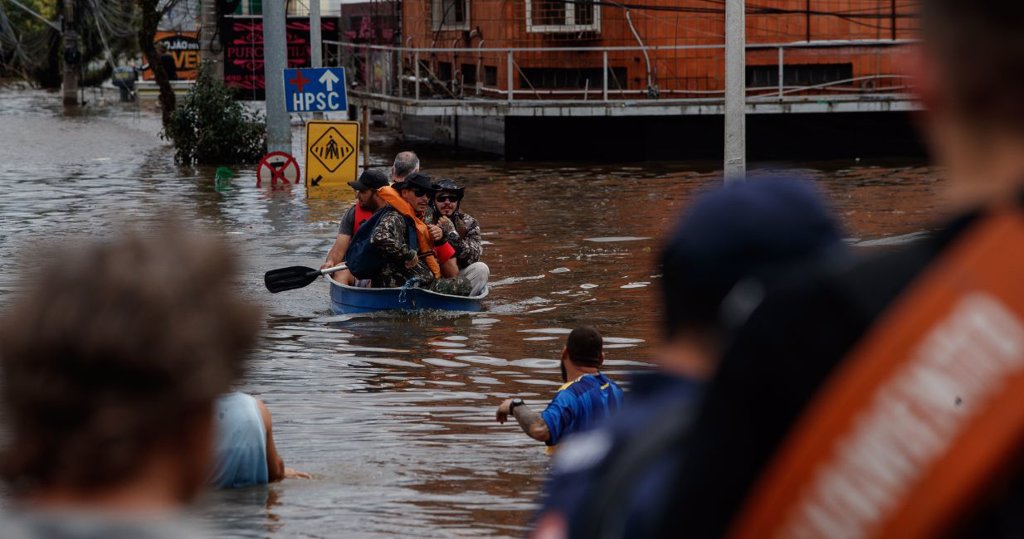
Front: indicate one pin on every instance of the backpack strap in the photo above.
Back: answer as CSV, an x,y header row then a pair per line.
x,y
922,417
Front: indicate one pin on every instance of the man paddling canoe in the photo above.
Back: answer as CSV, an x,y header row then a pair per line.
x,y
367,203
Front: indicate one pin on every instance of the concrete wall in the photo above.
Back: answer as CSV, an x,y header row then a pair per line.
x,y
480,133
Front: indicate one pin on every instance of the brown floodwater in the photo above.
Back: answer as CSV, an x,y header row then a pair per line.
x,y
394,414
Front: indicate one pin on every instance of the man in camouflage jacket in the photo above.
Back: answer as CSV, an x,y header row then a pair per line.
x,y
391,239
462,231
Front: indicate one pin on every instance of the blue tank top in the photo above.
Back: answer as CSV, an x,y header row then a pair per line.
x,y
241,448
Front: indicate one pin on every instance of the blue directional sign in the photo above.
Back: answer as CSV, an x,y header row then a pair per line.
x,y
318,89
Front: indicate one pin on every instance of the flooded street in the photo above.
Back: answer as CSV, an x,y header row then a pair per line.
x,y
394,415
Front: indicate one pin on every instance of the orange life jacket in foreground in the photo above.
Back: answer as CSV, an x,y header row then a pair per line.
x,y
389,195
923,418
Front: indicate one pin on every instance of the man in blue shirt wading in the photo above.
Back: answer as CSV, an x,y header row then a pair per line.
x,y
585,399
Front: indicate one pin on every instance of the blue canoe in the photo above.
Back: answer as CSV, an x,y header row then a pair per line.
x,y
349,299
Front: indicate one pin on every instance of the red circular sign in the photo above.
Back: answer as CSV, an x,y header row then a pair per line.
x,y
278,166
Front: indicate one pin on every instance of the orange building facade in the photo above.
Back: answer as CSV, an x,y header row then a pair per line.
x,y
665,49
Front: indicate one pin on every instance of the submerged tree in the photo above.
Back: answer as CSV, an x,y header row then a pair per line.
x,y
210,127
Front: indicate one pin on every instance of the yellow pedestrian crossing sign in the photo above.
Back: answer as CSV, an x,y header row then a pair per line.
x,y
331,153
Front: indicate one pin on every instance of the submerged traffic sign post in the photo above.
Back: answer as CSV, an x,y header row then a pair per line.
x,y
331,154
315,89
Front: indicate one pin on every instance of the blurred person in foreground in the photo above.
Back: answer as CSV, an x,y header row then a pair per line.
x,y
969,74
585,398
245,452
112,358
726,249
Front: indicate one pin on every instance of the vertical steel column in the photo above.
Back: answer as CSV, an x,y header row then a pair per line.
x,y
209,49
368,79
508,76
279,132
366,137
398,64
316,44
782,73
604,84
892,17
416,73
735,91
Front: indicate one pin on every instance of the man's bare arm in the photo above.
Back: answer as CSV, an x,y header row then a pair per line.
x,y
532,423
276,469
337,253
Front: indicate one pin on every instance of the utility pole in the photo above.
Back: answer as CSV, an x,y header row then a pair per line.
x,y
72,56
279,132
209,49
316,47
735,91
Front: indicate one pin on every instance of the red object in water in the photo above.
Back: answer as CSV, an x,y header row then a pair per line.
x,y
281,166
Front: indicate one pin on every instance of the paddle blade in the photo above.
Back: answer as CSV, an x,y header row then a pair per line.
x,y
289,278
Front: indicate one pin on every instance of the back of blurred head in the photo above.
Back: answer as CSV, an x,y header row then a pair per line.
x,y
970,78
730,240
976,54
112,358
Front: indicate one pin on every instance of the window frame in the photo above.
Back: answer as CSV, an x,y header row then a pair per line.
x,y
436,12
570,15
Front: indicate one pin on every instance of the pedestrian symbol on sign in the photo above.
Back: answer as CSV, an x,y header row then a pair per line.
x,y
332,155
332,149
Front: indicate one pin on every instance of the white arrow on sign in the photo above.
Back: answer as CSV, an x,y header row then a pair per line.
x,y
328,79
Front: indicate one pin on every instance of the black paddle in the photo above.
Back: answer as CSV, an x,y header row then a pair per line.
x,y
294,277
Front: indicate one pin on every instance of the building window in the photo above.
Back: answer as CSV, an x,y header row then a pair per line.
x,y
444,71
491,75
468,74
450,14
558,16
798,75
571,78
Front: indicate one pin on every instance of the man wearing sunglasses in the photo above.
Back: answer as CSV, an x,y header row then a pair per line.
x,y
392,241
462,232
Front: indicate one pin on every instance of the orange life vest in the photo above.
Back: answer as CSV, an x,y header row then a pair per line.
x,y
923,418
362,216
389,195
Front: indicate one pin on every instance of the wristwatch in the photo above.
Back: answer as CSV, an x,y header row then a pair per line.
x,y
515,402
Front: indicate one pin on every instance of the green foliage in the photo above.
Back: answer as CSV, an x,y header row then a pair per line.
x,y
209,127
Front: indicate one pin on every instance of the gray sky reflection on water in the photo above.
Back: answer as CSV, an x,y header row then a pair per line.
x,y
395,413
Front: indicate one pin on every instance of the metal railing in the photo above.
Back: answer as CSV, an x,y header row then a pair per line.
x,y
390,72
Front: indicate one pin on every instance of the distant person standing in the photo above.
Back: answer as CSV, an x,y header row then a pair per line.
x,y
109,384
167,61
245,451
586,397
405,164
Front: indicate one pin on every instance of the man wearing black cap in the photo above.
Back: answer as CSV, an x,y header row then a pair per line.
x,y
727,247
586,398
367,203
